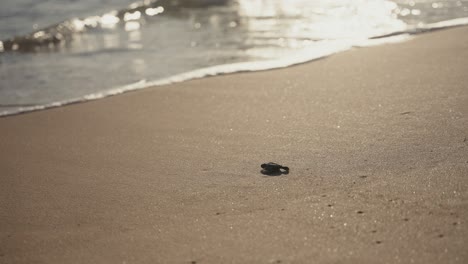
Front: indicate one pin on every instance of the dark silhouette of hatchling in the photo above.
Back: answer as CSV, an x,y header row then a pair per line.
x,y
272,168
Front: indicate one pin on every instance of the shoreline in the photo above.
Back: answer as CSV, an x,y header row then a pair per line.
x,y
375,139
244,67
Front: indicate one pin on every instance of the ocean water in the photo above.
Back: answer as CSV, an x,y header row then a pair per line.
x,y
53,52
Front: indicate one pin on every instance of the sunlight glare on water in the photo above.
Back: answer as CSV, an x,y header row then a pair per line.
x,y
275,28
77,48
301,19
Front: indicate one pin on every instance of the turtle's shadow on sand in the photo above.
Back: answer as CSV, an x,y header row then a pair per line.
x,y
276,173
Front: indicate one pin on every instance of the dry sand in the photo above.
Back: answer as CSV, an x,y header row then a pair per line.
x,y
376,139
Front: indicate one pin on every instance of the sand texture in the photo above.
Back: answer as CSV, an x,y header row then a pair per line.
x,y
376,140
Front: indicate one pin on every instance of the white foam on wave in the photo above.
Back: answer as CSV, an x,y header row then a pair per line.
x,y
446,24
298,57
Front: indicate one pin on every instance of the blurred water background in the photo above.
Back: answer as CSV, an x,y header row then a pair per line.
x,y
58,51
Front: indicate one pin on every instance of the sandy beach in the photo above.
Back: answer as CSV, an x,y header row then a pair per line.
x,y
376,139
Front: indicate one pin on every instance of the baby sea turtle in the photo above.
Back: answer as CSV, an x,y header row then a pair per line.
x,y
274,168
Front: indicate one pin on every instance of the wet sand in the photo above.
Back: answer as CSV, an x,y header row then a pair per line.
x,y
376,140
